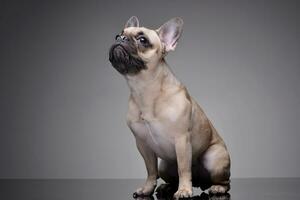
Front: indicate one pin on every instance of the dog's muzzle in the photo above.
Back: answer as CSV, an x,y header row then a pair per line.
x,y
123,57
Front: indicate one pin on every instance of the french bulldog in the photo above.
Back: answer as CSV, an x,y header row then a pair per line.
x,y
164,118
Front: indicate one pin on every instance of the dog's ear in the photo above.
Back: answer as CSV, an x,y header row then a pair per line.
x,y
132,22
170,32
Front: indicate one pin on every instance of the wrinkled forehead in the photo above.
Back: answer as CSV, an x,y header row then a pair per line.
x,y
135,31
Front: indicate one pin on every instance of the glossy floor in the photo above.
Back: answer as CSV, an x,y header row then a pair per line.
x,y
115,189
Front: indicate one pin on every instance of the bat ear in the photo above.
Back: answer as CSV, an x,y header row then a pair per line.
x,y
132,22
170,32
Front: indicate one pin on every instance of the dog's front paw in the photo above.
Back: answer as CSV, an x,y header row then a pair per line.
x,y
146,190
183,192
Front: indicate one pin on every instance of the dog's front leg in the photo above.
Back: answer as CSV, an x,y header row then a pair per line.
x,y
184,161
151,164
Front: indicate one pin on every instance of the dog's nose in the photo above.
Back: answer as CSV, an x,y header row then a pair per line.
x,y
121,38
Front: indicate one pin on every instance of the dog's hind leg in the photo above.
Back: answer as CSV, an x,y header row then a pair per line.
x,y
217,162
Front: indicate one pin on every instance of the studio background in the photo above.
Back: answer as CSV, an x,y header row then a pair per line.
x,y
63,107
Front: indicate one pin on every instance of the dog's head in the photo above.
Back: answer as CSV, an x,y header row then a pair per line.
x,y
139,48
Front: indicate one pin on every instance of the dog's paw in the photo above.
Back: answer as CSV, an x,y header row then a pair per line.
x,y
183,192
146,190
218,189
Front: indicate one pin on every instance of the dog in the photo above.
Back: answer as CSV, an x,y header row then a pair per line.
x,y
165,120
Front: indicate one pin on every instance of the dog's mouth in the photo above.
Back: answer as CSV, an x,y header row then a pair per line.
x,y
125,60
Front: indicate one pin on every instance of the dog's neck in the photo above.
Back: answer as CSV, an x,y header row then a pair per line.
x,y
146,86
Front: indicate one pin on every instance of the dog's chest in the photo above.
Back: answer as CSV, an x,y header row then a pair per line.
x,y
156,135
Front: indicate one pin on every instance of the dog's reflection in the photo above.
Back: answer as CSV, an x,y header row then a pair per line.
x,y
203,196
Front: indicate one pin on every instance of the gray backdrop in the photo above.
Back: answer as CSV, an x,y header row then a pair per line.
x,y
63,106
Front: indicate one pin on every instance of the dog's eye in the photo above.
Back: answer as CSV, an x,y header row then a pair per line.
x,y
143,40
117,37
